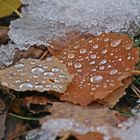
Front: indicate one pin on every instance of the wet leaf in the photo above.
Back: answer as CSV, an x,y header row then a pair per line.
x,y
9,6
33,74
101,66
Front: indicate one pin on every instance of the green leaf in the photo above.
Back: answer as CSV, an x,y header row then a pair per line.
x,y
7,7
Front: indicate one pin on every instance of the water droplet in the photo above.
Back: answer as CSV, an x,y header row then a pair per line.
x,y
26,85
49,59
37,70
32,63
38,86
17,81
96,79
77,65
120,59
76,46
61,76
71,55
48,74
103,61
114,71
96,46
48,86
82,51
55,69
128,47
104,51
106,39
94,69
93,56
56,81
19,66
92,62
127,69
93,89
101,67
129,58
116,43
109,66
34,76
70,63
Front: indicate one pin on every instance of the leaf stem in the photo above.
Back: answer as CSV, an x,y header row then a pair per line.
x,y
24,118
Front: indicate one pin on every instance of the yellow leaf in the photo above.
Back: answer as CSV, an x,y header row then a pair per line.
x,y
9,6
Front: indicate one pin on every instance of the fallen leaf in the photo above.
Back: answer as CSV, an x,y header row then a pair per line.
x,y
39,103
94,136
33,74
20,128
3,114
9,6
3,34
99,64
76,120
93,115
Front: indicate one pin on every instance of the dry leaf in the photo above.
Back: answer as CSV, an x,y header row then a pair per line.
x,y
99,65
33,74
94,115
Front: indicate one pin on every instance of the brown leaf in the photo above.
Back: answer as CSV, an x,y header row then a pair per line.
x,y
94,136
20,128
3,34
33,74
78,120
40,103
94,115
2,118
99,65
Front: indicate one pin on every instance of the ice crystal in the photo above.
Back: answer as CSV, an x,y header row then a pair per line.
x,y
46,19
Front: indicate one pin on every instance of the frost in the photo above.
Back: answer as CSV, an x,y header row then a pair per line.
x,y
46,19
7,53
52,129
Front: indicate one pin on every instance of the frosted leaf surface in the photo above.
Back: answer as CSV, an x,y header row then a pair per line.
x,y
33,74
46,19
7,53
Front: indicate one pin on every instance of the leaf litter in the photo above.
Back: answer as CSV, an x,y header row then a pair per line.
x,y
46,29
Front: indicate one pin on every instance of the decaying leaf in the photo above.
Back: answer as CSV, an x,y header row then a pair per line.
x,y
99,65
33,74
39,103
94,136
3,34
93,115
76,120
2,118
8,6
44,20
